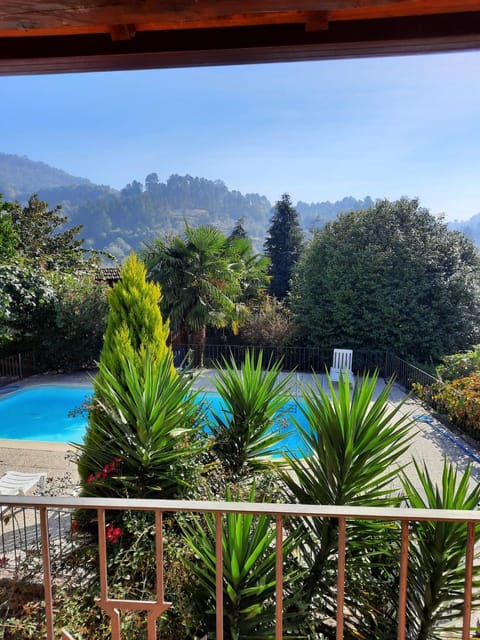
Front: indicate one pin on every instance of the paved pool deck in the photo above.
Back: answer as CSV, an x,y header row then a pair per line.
x,y
432,441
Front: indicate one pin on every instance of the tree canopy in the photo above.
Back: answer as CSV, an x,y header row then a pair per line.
x,y
135,333
205,279
42,238
283,245
391,277
50,301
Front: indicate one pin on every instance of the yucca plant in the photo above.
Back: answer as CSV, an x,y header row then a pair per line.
x,y
147,430
254,399
248,544
348,456
436,572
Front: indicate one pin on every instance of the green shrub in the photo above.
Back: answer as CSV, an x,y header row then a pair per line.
x,y
254,399
436,570
249,561
458,400
460,365
348,456
146,436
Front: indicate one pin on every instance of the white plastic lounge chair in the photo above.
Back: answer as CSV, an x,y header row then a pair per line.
x,y
342,365
18,483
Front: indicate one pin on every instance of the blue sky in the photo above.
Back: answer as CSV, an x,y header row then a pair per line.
x,y
382,127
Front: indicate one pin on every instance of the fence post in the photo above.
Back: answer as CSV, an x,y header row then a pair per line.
x,y
20,371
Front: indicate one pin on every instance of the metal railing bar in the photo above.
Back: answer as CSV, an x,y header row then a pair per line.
x,y
103,601
342,513
398,514
102,556
219,574
14,534
402,599
159,555
47,578
342,544
279,579
467,592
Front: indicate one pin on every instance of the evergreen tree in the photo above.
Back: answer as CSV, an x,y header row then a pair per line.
x,y
42,238
135,322
135,331
283,245
8,236
238,230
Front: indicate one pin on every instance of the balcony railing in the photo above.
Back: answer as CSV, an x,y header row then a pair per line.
x,y
44,507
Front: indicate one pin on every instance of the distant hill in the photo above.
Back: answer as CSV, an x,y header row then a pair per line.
x,y
316,214
471,228
121,221
20,177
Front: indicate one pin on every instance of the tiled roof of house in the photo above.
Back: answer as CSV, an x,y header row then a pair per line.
x,y
109,274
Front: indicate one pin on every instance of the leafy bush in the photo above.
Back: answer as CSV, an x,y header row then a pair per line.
x,y
62,317
254,398
436,571
348,455
460,365
458,400
271,325
72,336
248,544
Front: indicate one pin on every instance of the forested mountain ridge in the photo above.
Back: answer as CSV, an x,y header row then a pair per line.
x,y
20,176
121,221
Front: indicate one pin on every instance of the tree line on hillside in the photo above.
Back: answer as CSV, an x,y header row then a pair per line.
x,y
391,277
120,222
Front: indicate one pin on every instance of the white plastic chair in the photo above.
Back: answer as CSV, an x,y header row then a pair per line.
x,y
342,364
19,483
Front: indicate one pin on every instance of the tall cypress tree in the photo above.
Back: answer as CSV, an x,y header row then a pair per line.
x,y
135,330
283,245
135,324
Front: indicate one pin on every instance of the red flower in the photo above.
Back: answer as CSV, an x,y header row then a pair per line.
x,y
90,479
74,527
113,534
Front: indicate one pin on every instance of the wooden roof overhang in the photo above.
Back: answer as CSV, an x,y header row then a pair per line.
x,y
56,36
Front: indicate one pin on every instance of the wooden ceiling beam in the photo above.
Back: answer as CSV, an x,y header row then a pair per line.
x,y
290,17
30,15
408,8
47,36
239,45
122,32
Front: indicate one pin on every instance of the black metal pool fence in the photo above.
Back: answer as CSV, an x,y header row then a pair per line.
x,y
302,359
312,359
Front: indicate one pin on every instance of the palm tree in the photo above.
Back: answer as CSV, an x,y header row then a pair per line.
x,y
348,456
203,276
437,552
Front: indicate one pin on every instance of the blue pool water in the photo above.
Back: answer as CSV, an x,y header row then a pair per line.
x,y
42,414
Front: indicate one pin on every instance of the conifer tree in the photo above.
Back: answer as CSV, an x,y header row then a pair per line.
x,y
135,323
283,245
135,331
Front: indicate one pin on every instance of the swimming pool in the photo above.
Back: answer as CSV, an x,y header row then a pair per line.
x,y
42,414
